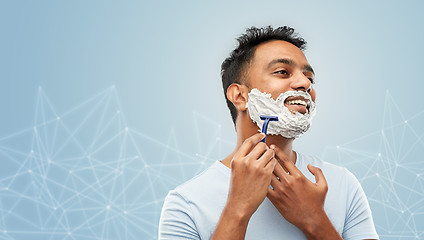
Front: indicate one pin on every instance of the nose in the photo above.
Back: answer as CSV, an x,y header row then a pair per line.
x,y
301,83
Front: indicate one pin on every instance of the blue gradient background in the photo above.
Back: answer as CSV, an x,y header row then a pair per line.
x,y
159,63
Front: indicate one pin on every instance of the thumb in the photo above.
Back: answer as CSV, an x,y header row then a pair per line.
x,y
319,176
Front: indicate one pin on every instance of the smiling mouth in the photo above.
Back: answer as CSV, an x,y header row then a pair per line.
x,y
298,104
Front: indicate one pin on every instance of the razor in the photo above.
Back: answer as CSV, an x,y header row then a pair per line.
x,y
267,119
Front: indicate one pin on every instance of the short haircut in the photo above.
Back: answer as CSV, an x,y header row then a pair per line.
x,y
233,67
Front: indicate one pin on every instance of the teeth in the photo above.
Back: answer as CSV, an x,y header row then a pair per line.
x,y
300,102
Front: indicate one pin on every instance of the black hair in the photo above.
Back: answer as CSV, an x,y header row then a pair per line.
x,y
233,67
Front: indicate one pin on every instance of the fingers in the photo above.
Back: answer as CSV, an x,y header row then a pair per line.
x,y
248,144
319,176
271,194
274,181
272,163
258,150
279,171
266,158
289,165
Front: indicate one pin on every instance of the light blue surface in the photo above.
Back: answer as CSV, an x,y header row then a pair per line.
x,y
81,72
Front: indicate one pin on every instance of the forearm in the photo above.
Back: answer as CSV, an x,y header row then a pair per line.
x,y
320,228
231,225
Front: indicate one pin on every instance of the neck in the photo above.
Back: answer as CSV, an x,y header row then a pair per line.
x,y
246,128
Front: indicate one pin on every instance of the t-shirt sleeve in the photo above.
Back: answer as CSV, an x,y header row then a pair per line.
x,y
358,222
176,219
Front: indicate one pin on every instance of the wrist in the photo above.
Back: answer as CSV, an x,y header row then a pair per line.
x,y
236,214
232,224
319,226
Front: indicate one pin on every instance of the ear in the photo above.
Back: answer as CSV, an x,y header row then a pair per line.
x,y
238,95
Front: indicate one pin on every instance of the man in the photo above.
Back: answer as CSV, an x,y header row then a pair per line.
x,y
267,190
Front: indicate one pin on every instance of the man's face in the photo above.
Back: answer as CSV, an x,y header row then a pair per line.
x,y
279,66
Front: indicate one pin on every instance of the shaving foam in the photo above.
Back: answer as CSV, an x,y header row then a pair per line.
x,y
289,124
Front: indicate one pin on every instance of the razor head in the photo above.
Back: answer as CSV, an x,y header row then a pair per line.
x,y
270,118
267,119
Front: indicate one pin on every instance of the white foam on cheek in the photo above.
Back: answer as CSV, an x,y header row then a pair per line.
x,y
289,125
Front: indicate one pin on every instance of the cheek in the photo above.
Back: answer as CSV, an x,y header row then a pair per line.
x,y
278,88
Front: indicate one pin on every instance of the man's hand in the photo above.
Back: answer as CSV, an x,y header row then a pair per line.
x,y
251,172
300,201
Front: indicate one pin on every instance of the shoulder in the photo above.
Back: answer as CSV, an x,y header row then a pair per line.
x,y
212,180
192,209
196,192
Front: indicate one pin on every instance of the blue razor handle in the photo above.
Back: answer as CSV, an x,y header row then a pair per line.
x,y
267,119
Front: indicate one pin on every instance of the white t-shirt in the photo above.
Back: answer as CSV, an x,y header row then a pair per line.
x,y
192,210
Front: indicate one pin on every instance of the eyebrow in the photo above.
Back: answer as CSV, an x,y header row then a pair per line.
x,y
290,62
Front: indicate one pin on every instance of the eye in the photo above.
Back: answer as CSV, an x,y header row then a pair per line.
x,y
283,72
310,77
